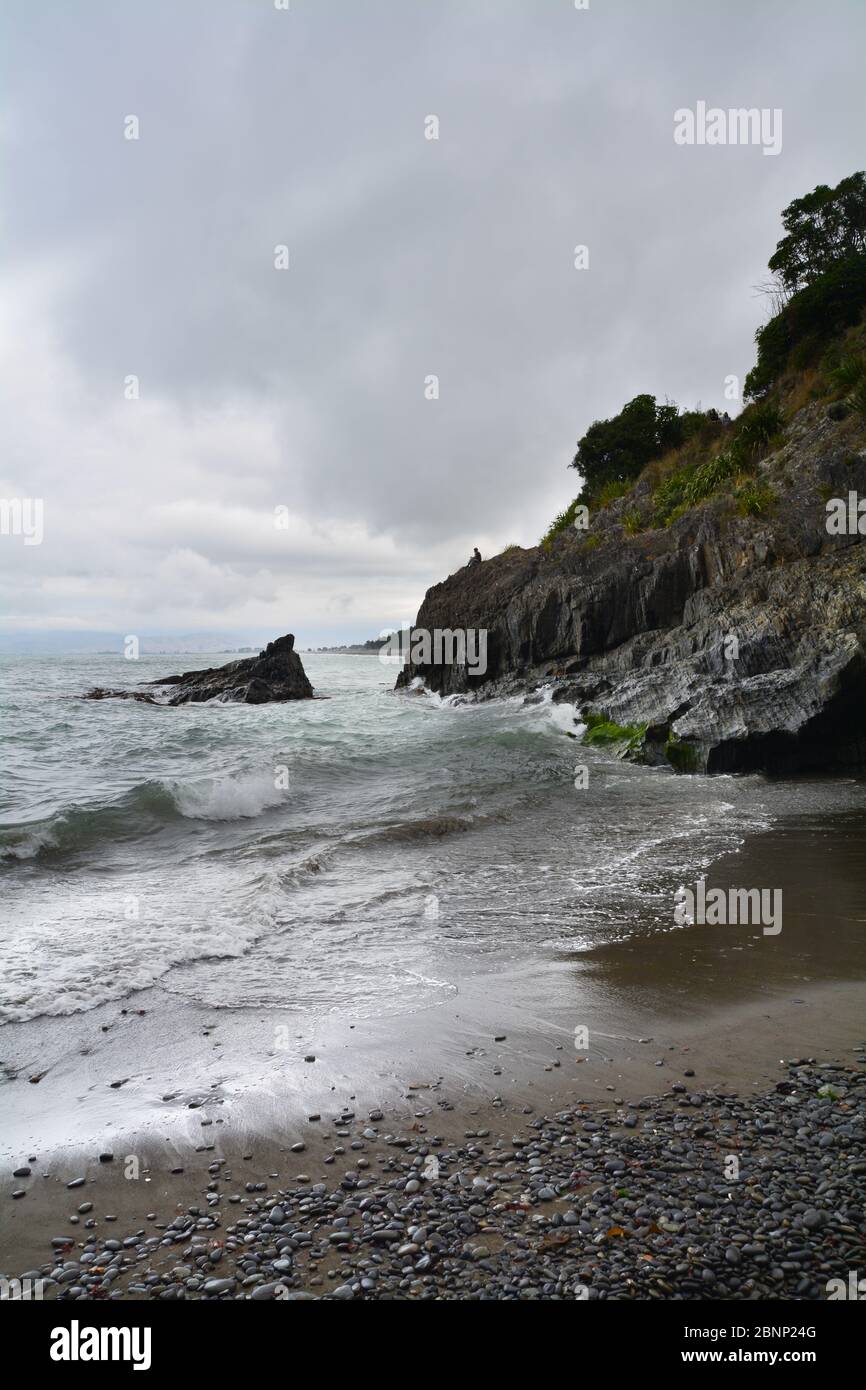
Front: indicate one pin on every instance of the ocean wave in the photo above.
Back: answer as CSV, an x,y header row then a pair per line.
x,y
331,853
395,832
140,811
565,718
80,826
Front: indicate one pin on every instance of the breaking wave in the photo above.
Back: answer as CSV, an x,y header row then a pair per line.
x,y
142,810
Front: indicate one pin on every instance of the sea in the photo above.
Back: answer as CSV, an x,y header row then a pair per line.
x,y
353,855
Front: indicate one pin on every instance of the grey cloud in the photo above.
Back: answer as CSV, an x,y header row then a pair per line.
x,y
408,257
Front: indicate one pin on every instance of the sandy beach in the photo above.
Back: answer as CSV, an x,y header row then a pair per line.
x,y
264,1139
176,1086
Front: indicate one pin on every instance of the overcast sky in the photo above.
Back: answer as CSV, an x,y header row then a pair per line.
x,y
409,257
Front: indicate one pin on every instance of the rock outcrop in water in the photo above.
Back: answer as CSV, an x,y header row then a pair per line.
x,y
275,674
637,628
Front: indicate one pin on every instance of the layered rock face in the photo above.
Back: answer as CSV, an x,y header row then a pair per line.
x,y
739,641
275,674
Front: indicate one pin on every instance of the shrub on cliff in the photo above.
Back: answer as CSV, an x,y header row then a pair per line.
x,y
847,372
798,334
821,265
857,399
613,453
756,427
616,450
819,280
692,482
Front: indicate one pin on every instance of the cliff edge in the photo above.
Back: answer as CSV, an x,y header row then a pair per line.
x,y
731,638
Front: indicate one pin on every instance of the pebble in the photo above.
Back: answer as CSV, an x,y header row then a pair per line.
x,y
574,1200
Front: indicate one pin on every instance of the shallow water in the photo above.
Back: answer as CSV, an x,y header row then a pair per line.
x,y
417,843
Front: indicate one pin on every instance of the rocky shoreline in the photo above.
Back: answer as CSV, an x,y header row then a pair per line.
x,y
689,1195
720,642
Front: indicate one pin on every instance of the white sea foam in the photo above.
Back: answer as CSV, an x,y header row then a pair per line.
x,y
228,798
565,717
90,945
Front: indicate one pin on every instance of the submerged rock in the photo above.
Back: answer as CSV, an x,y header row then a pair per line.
x,y
101,692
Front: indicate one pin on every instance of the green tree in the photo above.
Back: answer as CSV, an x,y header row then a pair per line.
x,y
824,227
819,286
616,450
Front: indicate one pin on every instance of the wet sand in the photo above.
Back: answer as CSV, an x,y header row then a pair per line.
x,y
176,1085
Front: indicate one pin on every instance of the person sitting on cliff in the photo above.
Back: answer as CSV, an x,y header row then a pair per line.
x,y
475,557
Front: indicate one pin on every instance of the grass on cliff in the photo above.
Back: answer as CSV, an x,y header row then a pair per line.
x,y
756,432
755,499
717,460
563,522
720,458
666,460
714,458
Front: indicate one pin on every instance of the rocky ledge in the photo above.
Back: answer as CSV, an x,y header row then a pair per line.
x,y
636,629
275,674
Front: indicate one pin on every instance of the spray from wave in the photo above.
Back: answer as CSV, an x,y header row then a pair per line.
x,y
228,798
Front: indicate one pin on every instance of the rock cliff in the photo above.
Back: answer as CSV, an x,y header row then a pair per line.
x,y
721,642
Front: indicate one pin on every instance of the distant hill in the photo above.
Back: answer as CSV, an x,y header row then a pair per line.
x,y
370,648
